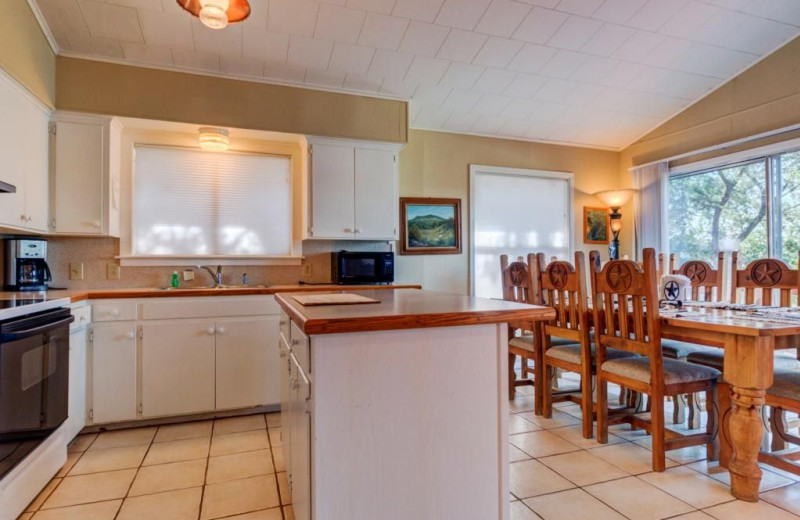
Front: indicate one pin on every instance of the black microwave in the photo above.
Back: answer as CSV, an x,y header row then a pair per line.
x,y
357,267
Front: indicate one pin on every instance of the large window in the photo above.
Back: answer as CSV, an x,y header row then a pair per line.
x,y
752,207
194,203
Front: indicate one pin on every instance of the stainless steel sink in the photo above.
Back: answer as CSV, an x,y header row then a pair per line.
x,y
214,287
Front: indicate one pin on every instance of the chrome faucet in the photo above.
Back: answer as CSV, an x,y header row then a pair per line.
x,y
216,276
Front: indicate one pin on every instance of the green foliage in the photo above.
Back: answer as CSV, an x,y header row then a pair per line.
x,y
431,231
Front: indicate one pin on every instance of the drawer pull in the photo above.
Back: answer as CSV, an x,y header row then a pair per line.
x,y
130,335
115,312
211,331
221,330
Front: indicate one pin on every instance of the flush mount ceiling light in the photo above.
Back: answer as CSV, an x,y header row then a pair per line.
x,y
217,14
214,139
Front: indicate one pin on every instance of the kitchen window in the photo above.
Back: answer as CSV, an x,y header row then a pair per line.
x,y
198,204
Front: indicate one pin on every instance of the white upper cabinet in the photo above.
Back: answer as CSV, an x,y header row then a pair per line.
x,y
85,175
353,190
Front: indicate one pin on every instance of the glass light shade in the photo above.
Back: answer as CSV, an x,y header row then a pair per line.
x,y
217,14
214,139
616,225
615,198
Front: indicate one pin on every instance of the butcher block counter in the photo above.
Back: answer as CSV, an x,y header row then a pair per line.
x,y
397,408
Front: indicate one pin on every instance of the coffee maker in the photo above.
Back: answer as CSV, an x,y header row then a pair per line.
x,y
26,265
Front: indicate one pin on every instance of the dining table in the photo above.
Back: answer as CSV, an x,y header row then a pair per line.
x,y
749,337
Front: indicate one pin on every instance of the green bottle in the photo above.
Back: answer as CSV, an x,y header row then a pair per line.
x,y
175,281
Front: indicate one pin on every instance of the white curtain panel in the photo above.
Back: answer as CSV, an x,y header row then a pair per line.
x,y
651,208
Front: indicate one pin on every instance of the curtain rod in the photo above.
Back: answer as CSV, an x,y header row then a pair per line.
x,y
722,146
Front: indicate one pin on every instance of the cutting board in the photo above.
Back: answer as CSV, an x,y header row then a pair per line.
x,y
332,299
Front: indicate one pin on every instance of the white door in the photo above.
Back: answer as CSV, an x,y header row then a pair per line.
x,y
78,178
515,212
300,439
114,372
376,194
76,406
247,362
177,367
332,192
12,171
37,171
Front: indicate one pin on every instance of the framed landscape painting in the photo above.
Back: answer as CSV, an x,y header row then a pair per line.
x,y
595,225
430,226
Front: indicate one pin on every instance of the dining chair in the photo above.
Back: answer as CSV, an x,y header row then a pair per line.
x,y
626,317
782,397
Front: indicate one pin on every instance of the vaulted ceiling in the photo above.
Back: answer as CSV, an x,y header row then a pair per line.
x,y
595,73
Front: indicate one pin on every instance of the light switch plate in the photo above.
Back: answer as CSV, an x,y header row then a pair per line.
x,y
188,275
76,270
113,271
308,270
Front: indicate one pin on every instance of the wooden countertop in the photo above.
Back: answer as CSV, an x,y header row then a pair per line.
x,y
408,309
99,294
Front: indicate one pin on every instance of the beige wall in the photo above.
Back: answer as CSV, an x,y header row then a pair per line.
x,y
435,164
124,90
25,53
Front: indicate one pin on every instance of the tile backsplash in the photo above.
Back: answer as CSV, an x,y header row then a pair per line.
x,y
96,253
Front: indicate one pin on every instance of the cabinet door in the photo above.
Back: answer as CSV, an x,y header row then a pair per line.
x,y
375,194
12,205
114,372
286,404
332,194
247,362
177,367
77,383
300,439
37,169
78,178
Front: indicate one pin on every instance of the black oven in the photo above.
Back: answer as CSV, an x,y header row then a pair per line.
x,y
360,267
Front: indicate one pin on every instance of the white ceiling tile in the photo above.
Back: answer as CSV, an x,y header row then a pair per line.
x,y
334,2
284,72
549,4
574,33
583,94
461,45
673,83
670,50
460,121
787,11
623,74
540,131
167,30
608,39
142,5
639,46
375,6
414,110
540,25
420,10
494,81
525,85
655,13
689,19
224,43
430,117
531,58
401,89
259,12
293,16
423,39
172,7
426,71
61,40
339,24
241,66
431,95
195,60
575,116
151,54
564,134
351,59
563,64
308,52
462,14
515,128
83,43
491,105
489,125
502,18
361,83
63,16
265,46
731,4
579,7
548,112
713,61
594,69
555,90
112,21
754,35
390,65
461,100
382,32
618,11
324,78
461,75
520,108
497,52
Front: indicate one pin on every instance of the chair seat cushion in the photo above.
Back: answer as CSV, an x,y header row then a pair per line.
x,y
786,384
675,371
715,357
523,342
680,349
572,353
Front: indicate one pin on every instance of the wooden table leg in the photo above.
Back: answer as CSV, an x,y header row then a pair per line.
x,y
748,368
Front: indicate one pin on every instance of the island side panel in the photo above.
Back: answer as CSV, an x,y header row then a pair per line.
x,y
410,424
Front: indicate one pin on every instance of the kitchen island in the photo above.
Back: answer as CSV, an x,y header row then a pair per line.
x,y
398,409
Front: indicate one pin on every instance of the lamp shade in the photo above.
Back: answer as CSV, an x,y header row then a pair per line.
x,y
217,14
214,139
615,198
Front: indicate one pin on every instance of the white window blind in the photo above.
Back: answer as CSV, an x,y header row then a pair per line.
x,y
195,203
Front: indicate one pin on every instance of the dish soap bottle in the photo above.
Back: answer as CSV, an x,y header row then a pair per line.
x,y
175,281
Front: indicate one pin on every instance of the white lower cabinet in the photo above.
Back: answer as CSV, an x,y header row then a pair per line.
x,y
177,367
76,403
114,370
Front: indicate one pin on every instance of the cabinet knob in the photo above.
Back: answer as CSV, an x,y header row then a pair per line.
x,y
115,312
295,342
348,230
130,335
211,331
22,217
96,223
221,330
358,230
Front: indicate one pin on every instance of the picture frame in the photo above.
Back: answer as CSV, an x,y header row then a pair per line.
x,y
596,225
430,226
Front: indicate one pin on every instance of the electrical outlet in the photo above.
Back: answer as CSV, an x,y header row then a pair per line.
x,y
76,270
307,270
188,275
112,270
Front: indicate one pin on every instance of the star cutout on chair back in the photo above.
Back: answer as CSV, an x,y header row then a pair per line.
x,y
766,273
695,271
619,277
518,274
558,276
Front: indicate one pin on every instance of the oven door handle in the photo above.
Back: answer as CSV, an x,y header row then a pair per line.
x,y
22,334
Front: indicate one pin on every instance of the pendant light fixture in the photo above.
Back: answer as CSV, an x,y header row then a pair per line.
x,y
214,139
217,14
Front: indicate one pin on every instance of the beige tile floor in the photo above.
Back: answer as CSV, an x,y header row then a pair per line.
x,y
233,469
